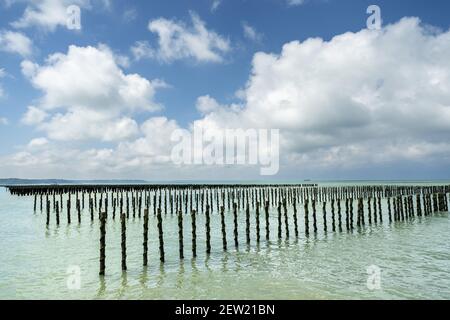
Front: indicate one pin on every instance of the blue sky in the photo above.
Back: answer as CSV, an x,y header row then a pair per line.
x,y
188,75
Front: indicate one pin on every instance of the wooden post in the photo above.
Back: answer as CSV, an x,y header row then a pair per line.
x,y
279,220
48,212
306,217
161,236
208,230
266,209
314,215
379,210
351,213
295,219
224,232
194,235
145,244
247,223
91,207
418,206
286,218
257,223
68,216
102,243
57,213
333,219
339,215
389,209
180,234
79,211
124,241
236,241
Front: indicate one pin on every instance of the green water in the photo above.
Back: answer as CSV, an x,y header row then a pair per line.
x,y
413,256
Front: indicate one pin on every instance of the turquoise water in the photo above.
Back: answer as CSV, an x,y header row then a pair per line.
x,y
413,257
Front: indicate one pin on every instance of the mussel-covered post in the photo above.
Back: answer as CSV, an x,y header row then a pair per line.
x,y
180,234
145,244
102,242
123,240
161,236
194,234
208,230
224,231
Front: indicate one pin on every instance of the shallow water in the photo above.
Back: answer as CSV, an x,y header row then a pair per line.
x,y
413,257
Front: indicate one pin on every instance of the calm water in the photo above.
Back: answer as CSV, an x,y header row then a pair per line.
x,y
413,256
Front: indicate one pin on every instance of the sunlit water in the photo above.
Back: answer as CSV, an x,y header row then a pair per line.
x,y
413,256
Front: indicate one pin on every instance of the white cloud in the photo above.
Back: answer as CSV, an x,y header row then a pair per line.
x,y
34,116
215,5
15,42
142,49
176,41
147,149
37,143
360,101
29,68
134,158
206,104
88,95
49,14
251,33
370,96
87,124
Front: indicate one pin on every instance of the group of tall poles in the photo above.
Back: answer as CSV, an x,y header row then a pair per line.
x,y
403,203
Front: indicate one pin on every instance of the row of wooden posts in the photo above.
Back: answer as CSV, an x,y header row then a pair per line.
x,y
400,204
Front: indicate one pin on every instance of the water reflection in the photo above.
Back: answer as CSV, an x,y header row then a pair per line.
x,y
143,278
123,285
162,275
102,287
180,275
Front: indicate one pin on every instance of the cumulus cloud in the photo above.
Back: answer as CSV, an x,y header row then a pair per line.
x,y
366,99
132,158
37,143
88,95
206,104
147,149
364,96
177,40
15,42
34,116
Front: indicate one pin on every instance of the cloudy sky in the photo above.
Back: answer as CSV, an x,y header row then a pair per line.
x,y
102,101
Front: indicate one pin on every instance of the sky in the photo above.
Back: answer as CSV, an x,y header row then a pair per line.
x,y
101,101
